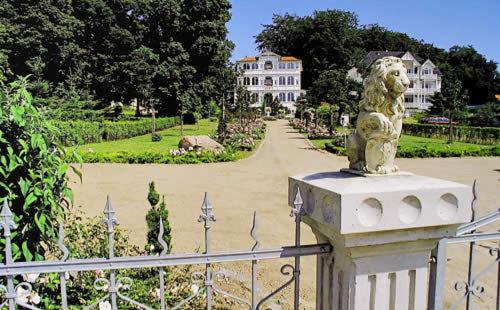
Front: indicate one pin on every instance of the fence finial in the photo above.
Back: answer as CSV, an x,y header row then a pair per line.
x,y
6,216
253,232
207,214
298,203
60,243
475,194
162,242
109,216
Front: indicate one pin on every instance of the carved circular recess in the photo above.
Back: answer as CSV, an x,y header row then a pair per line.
x,y
309,207
370,212
327,206
409,210
447,207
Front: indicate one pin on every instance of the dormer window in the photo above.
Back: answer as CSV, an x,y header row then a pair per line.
x,y
268,65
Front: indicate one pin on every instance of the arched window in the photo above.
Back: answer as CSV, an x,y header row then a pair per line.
x,y
255,80
290,65
282,80
246,81
255,66
268,65
282,97
291,80
246,66
268,81
291,97
281,65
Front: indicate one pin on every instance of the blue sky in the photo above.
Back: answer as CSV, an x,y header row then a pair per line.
x,y
442,22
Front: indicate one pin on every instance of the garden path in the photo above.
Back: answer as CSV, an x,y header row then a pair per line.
x,y
236,189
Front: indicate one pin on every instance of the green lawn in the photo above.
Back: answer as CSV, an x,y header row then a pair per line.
x,y
143,143
409,145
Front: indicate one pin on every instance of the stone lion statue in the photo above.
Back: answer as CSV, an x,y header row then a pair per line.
x,y
372,147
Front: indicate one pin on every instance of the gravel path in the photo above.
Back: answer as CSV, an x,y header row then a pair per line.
x,y
236,189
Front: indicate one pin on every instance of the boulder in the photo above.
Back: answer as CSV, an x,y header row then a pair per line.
x,y
200,143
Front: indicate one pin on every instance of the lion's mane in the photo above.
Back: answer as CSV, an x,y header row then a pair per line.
x,y
376,97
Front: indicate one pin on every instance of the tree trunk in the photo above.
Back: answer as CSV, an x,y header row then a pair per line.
x,y
330,131
450,137
137,109
154,120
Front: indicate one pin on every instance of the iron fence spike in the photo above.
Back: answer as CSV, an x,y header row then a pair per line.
x,y
109,215
253,232
298,199
6,215
61,244
162,242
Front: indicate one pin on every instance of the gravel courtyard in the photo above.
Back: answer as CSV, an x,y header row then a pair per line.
x,y
257,183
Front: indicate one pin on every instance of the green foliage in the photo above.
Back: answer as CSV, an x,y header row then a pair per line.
x,y
156,157
155,137
153,195
487,115
119,50
333,40
86,238
478,135
153,220
81,132
417,147
333,87
32,173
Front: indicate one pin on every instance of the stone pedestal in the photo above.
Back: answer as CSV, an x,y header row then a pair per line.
x,y
382,230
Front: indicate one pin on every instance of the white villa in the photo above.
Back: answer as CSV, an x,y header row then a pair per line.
x,y
269,76
424,75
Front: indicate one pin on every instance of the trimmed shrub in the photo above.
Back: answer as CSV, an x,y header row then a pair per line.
x,y
428,151
478,135
153,220
81,132
156,157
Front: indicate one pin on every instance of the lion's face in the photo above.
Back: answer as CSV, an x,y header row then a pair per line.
x,y
396,80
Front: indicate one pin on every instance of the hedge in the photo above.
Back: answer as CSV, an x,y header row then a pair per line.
x,y
152,157
70,133
477,135
428,151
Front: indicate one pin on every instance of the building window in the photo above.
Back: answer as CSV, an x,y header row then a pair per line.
x,y
282,97
282,65
290,65
255,81
282,80
291,97
268,65
246,66
415,70
255,98
426,71
408,99
290,80
255,66
268,81
411,84
408,71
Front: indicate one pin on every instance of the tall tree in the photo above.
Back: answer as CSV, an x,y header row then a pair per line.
x,y
333,87
321,40
451,101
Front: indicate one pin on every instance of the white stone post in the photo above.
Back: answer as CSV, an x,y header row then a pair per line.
x,y
382,229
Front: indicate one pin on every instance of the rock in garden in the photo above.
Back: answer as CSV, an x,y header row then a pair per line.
x,y
200,143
